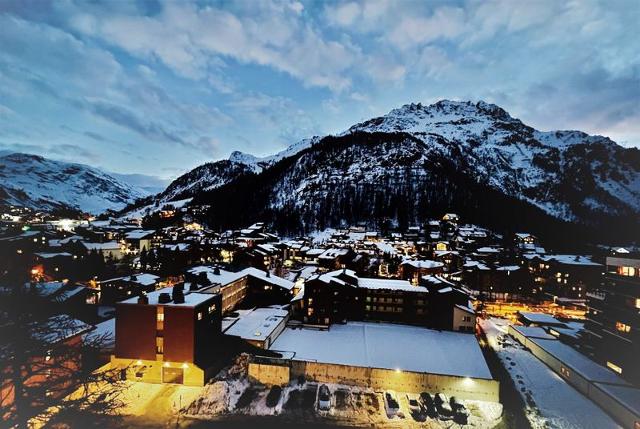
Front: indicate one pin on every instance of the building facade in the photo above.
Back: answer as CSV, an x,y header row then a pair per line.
x,y
167,336
613,324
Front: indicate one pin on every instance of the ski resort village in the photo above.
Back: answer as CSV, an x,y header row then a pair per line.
x,y
159,319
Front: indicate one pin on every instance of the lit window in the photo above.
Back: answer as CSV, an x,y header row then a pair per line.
x,y
614,367
564,371
160,314
212,308
627,271
199,315
637,302
621,327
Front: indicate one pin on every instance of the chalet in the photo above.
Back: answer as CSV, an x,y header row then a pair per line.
x,y
413,270
139,239
111,249
54,265
566,276
335,257
525,242
449,306
119,288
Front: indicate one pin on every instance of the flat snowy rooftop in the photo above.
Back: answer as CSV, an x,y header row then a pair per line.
x,y
379,345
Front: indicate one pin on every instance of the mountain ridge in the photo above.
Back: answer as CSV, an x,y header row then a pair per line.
x,y
44,184
568,175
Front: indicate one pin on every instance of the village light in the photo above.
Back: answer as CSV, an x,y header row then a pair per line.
x,y
398,371
139,362
185,365
467,381
166,364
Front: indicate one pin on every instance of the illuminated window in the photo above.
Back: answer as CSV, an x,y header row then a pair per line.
x,y
614,367
637,302
564,371
310,301
310,312
212,308
627,271
621,327
199,315
159,345
160,319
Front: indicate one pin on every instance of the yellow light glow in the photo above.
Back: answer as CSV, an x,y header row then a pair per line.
x,y
138,362
185,365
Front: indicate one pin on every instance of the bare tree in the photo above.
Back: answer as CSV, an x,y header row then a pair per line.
x,y
48,363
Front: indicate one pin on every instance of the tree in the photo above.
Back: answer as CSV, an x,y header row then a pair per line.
x,y
45,357
144,258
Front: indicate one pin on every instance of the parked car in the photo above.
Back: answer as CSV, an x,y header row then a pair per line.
x,y
324,398
442,405
414,404
455,403
428,406
461,415
391,403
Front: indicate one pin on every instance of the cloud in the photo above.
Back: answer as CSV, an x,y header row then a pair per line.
x,y
73,152
281,114
192,40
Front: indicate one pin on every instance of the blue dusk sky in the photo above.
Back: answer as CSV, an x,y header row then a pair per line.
x,y
158,87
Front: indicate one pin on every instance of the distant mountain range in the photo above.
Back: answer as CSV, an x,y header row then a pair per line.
x,y
44,184
421,160
417,161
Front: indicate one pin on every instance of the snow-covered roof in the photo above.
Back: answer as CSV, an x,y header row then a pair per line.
x,y
426,264
139,234
533,332
49,255
539,318
377,345
256,324
111,245
191,299
508,268
578,362
564,259
225,277
389,284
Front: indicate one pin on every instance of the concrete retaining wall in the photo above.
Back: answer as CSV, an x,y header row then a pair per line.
x,y
376,378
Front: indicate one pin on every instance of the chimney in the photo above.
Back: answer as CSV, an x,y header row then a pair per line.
x,y
143,299
177,294
164,298
216,271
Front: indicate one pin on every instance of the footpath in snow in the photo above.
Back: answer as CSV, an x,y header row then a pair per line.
x,y
551,402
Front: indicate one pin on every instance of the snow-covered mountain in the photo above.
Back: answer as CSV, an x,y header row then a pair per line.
x,y
418,160
44,184
565,173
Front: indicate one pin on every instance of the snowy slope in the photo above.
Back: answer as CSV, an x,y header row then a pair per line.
x,y
43,184
520,161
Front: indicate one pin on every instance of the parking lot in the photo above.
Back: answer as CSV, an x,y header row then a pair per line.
x,y
348,406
